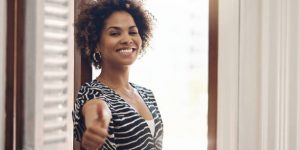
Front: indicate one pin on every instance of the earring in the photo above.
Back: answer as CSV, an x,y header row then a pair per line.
x,y
97,57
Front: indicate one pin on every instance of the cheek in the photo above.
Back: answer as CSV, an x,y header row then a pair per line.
x,y
106,44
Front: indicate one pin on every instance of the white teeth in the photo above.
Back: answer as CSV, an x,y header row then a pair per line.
x,y
124,51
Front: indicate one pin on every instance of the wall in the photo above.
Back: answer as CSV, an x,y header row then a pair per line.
x,y
258,100
2,70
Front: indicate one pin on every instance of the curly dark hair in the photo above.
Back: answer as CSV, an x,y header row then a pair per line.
x,y
92,17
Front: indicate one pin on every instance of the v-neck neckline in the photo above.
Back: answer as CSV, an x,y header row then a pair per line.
x,y
123,100
141,94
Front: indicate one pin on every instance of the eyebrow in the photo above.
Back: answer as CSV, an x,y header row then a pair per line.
x,y
118,28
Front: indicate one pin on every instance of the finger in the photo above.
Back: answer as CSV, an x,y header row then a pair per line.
x,y
103,114
102,132
87,144
90,111
95,139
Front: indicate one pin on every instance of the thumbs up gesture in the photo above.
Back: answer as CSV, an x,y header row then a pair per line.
x,y
97,117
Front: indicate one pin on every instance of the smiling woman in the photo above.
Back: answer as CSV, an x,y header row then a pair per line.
x,y
110,112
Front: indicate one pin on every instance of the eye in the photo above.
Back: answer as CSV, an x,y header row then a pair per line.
x,y
133,32
114,33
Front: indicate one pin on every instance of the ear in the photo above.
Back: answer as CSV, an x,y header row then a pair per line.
x,y
98,48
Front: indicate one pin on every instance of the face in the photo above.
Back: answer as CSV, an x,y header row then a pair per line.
x,y
120,41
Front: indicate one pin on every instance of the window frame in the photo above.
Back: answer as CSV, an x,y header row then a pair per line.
x,y
14,92
14,95
213,74
83,71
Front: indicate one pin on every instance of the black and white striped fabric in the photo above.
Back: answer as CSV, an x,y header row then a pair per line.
x,y
127,129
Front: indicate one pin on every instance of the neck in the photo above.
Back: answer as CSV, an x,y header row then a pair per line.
x,y
115,78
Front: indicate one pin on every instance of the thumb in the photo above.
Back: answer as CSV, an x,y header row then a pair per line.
x,y
104,114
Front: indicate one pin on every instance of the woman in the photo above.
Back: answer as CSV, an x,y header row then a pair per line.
x,y
110,112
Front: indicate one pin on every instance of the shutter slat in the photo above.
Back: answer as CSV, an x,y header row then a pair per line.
x,y
54,112
56,74
55,125
58,1
56,61
56,23
56,10
56,35
56,99
56,137
55,86
57,48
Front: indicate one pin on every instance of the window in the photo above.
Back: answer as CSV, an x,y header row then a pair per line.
x,y
175,67
42,49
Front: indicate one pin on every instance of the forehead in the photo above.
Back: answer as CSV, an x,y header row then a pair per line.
x,y
119,19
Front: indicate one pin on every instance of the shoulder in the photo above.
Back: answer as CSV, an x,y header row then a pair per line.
x,y
89,84
141,88
90,87
146,91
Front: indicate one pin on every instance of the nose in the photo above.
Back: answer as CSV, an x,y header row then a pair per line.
x,y
127,39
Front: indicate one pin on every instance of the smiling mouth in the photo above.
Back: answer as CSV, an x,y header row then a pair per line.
x,y
126,50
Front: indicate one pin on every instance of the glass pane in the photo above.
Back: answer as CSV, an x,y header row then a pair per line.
x,y
176,69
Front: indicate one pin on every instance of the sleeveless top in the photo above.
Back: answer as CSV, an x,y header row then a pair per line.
x,y
127,128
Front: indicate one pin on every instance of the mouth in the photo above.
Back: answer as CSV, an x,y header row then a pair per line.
x,y
126,51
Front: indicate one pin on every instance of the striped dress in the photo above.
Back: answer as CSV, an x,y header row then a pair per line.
x,y
127,128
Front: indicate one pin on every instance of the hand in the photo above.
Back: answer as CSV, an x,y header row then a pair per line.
x,y
97,117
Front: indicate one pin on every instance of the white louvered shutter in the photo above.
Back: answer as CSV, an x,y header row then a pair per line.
x,y
53,68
